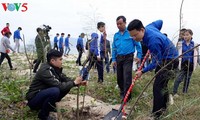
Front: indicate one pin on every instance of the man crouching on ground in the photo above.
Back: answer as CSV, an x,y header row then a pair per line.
x,y
50,85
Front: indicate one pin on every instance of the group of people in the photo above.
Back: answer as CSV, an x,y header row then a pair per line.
x,y
126,41
61,43
50,84
5,46
162,50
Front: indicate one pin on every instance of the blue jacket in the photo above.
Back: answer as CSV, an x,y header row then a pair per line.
x,y
80,42
55,39
123,44
102,44
17,34
161,48
67,42
189,55
61,42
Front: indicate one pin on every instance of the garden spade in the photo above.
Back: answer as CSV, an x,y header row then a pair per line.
x,y
120,114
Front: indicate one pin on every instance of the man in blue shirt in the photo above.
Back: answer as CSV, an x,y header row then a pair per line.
x,y
102,49
92,55
16,38
80,48
162,51
123,49
56,41
61,45
67,48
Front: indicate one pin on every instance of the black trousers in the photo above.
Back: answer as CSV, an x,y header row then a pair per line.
x,y
160,90
37,63
92,58
80,52
55,46
3,56
124,73
61,50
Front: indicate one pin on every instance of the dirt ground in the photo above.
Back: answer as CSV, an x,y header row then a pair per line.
x,y
93,109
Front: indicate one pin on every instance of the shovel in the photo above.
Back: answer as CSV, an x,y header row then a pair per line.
x,y
112,114
120,114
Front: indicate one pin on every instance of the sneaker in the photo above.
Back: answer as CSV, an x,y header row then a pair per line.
x,y
176,95
149,118
13,68
100,81
171,100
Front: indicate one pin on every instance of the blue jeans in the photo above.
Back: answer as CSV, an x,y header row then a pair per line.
x,y
45,101
184,75
67,49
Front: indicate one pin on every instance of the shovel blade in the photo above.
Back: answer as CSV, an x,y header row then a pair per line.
x,y
112,115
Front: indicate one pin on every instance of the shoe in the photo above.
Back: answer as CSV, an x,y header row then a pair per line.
x,y
171,100
100,81
176,96
13,68
149,118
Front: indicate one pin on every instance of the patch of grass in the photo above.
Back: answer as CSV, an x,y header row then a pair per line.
x,y
14,86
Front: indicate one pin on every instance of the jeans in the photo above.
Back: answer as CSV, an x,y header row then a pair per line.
x,y
45,101
67,49
17,45
185,74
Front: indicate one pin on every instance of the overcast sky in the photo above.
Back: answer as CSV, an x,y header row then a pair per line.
x,y
71,16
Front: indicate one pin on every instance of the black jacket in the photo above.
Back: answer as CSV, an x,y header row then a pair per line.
x,y
46,77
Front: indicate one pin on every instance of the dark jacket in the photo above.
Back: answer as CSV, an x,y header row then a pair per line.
x,y
46,77
40,44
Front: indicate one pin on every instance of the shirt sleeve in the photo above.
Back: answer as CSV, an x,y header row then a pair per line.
x,y
99,43
139,49
49,79
7,44
114,51
82,46
155,50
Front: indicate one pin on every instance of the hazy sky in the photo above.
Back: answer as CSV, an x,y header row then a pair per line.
x,y
71,16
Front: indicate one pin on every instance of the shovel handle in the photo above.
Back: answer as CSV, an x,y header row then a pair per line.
x,y
133,83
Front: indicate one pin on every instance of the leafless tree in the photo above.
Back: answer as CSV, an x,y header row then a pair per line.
x,y
90,19
181,15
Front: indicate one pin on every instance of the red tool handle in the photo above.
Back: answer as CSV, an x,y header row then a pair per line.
x,y
133,83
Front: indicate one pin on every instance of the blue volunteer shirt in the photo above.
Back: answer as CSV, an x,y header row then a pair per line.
x,y
17,35
55,39
161,48
61,42
67,42
102,44
80,42
189,55
123,44
94,44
